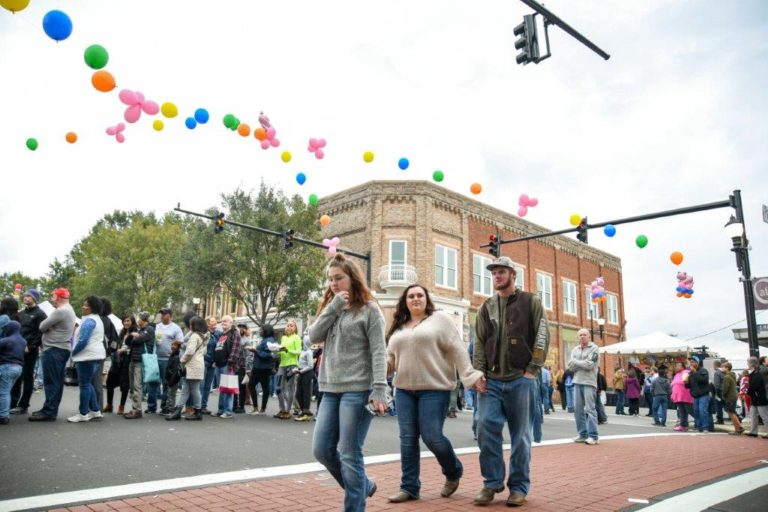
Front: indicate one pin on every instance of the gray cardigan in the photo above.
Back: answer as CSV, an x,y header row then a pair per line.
x,y
355,353
584,364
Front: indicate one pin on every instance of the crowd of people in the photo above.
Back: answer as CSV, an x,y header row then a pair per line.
x,y
347,361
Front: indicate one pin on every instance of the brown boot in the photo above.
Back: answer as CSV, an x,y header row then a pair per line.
x,y
189,411
120,410
485,496
449,488
107,408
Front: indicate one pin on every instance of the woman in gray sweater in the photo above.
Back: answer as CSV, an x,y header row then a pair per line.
x,y
353,378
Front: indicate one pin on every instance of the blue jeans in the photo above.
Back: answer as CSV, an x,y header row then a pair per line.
x,y
8,375
586,413
205,385
342,424
54,364
226,401
422,413
660,404
701,414
85,372
154,389
620,401
512,403
569,397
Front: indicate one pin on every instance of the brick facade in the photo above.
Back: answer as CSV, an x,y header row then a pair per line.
x,y
367,217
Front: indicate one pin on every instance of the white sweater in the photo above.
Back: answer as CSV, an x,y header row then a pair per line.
x,y
427,356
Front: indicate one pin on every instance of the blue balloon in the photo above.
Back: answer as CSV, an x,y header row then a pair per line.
x,y
403,163
609,230
301,178
191,123
201,116
57,25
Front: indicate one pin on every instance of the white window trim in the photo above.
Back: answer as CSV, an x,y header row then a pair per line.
x,y
445,267
592,309
551,290
575,297
607,309
483,271
520,271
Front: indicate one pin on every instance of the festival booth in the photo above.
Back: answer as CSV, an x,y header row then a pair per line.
x,y
652,349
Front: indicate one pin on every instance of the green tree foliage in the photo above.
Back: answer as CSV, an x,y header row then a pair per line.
x,y
132,258
271,281
8,281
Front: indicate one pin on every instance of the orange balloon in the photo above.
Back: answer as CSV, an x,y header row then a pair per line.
x,y
71,137
103,81
325,220
260,133
244,130
676,257
476,188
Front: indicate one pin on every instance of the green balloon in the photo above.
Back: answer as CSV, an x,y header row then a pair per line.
x,y
235,124
641,241
438,176
32,144
229,121
313,199
96,56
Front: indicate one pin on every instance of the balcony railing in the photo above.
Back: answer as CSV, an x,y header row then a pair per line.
x,y
396,276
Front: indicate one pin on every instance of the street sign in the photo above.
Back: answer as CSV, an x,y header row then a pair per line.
x,y
760,288
765,213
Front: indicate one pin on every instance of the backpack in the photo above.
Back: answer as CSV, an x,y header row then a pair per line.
x,y
174,371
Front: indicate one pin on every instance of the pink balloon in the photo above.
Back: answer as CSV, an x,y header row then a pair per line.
x,y
335,240
120,138
265,144
275,143
132,113
319,154
312,144
522,211
332,249
128,97
523,200
533,201
270,132
150,107
321,143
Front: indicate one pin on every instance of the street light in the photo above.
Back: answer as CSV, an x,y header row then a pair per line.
x,y
196,303
601,326
736,232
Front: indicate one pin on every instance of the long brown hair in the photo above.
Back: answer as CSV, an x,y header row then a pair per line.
x,y
402,314
359,293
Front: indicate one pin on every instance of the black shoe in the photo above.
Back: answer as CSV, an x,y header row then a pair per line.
x,y
175,415
4,421
148,411
205,411
41,417
373,489
196,416
239,411
18,410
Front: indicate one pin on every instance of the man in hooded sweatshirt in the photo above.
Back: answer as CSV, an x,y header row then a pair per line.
x,y
12,348
30,319
584,365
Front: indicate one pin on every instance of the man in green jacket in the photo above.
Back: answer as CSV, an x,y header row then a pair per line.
x,y
511,347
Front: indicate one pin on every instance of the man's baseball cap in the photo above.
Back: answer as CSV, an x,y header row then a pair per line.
x,y
502,261
33,293
166,311
695,358
60,293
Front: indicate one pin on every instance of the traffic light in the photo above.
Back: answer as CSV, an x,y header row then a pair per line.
x,y
495,249
527,41
218,223
581,231
288,238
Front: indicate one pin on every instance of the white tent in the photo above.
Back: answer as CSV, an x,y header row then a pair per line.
x,y
653,343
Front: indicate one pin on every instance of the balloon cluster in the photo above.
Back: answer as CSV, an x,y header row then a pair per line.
x,y
136,105
684,285
316,146
17,290
525,202
597,290
117,131
331,244
267,137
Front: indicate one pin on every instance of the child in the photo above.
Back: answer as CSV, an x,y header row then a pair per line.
x,y
660,390
304,387
173,374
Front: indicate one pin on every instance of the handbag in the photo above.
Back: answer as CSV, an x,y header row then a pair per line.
x,y
150,366
228,384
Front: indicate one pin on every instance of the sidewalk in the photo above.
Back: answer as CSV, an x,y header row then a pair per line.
x,y
564,477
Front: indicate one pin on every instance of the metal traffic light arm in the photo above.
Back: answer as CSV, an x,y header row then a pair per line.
x,y
366,257
553,19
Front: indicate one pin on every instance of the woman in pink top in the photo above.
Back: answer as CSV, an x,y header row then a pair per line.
x,y
632,389
681,396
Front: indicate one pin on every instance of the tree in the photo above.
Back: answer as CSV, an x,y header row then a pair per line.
x,y
271,281
9,280
132,258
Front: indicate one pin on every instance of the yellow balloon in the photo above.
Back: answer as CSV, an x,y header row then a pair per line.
x,y
575,219
14,5
286,156
169,110
158,125
368,156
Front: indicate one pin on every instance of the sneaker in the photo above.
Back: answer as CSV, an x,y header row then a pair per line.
x,y
592,441
303,417
578,439
95,415
216,414
132,415
226,416
148,411
78,418
679,429
205,411
18,410
41,417
255,412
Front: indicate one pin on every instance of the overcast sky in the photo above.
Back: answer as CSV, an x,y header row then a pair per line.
x,y
676,117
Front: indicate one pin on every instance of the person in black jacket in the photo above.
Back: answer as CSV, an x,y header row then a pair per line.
x,y
698,383
757,393
140,342
110,345
30,319
119,371
602,387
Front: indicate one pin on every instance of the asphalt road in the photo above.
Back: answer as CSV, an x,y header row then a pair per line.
x,y
45,458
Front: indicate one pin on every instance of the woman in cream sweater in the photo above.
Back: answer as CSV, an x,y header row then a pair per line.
x,y
425,352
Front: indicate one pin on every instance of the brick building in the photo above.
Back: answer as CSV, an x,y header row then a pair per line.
x,y
417,231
